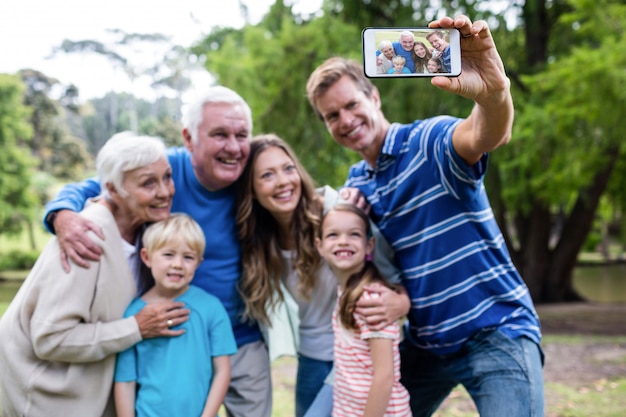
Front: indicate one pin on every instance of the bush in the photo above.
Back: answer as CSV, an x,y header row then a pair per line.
x,y
18,259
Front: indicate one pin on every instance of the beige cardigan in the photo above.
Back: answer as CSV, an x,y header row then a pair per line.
x,y
60,334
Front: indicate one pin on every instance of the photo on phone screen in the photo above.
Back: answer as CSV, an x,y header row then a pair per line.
x,y
411,52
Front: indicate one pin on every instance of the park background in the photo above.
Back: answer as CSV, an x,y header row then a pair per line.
x,y
558,189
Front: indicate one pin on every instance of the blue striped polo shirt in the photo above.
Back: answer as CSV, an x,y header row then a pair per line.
x,y
434,211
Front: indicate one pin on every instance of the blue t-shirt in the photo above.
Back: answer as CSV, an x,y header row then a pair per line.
x,y
405,70
174,374
215,212
433,210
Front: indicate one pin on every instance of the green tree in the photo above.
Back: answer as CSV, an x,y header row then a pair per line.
x,y
167,67
17,200
567,141
567,75
268,64
57,151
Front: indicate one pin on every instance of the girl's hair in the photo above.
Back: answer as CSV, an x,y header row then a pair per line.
x,y
437,61
420,63
260,236
369,274
125,152
178,228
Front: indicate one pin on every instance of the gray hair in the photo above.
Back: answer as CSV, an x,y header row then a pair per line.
x,y
384,43
193,111
125,152
407,33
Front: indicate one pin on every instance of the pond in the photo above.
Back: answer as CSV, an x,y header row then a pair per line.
x,y
606,283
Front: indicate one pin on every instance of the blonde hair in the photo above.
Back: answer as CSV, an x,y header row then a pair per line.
x,y
399,59
178,228
259,235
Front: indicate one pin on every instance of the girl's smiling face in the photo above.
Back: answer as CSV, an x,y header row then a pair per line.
x,y
344,243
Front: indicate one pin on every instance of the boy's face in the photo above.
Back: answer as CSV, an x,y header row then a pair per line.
x,y
172,266
398,66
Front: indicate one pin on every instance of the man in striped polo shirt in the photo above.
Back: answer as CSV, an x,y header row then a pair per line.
x,y
472,321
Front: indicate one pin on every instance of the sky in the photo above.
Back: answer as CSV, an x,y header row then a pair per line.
x,y
30,29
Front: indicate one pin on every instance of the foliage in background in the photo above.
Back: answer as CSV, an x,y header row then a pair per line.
x,y
568,90
559,185
57,151
566,145
268,64
16,196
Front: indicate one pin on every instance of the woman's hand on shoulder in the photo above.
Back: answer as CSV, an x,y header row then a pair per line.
x,y
159,319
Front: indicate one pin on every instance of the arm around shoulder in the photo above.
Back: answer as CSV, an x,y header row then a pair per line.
x,y
71,197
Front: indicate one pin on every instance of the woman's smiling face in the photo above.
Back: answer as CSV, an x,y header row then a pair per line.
x,y
276,182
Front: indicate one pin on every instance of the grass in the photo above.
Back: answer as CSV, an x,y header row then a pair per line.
x,y
603,398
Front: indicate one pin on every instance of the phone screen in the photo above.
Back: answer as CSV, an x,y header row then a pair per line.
x,y
411,52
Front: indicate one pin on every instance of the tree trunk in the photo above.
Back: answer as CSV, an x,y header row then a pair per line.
x,y
558,281
533,261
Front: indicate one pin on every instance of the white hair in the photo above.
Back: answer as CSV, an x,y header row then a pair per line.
x,y
194,110
383,44
407,33
125,152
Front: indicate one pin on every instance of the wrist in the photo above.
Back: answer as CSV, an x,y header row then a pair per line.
x,y
51,218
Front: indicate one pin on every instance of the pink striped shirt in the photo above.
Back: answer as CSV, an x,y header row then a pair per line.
x,y
354,371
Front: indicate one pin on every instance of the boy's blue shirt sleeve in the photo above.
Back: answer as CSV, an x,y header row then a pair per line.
x,y
72,197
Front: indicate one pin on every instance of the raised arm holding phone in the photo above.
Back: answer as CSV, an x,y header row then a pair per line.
x,y
472,321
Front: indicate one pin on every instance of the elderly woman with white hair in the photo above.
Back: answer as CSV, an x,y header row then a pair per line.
x,y
384,59
62,330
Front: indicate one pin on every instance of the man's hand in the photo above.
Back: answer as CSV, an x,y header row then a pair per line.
x,y
157,319
389,306
71,230
483,79
355,196
482,71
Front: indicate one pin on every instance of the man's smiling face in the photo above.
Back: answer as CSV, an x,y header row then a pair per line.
x,y
221,151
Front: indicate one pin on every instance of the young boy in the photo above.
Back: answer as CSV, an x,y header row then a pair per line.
x,y
399,67
186,375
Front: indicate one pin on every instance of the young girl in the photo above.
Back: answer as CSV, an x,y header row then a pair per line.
x,y
187,375
435,65
367,362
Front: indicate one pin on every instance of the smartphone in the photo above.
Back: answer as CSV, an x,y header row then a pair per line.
x,y
411,52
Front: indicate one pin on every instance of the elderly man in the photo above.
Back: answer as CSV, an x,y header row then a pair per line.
x,y
404,48
217,131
